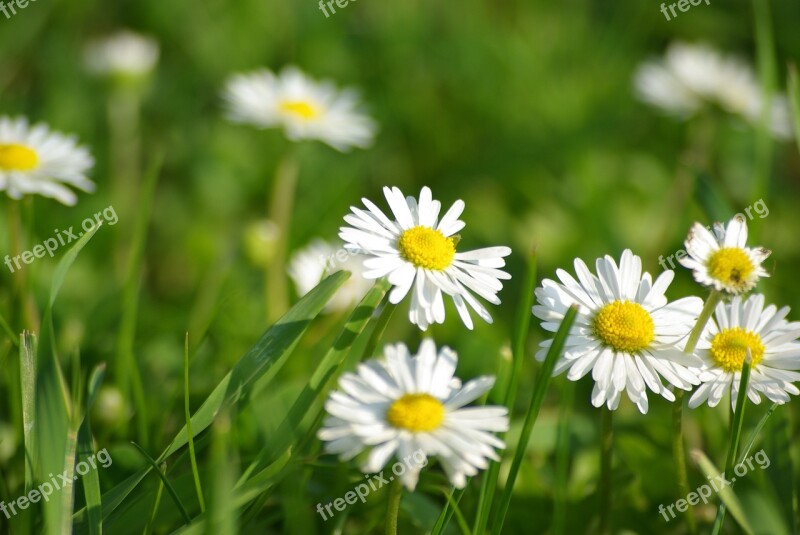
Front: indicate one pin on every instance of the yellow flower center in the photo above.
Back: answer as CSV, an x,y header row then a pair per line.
x,y
624,326
729,348
427,248
301,108
416,412
15,157
731,266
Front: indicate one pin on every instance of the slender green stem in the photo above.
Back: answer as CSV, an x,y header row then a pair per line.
x,y
606,452
542,382
678,447
30,313
198,487
562,458
735,435
393,506
521,328
280,212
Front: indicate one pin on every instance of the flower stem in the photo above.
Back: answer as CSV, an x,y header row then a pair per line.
x,y
393,506
678,448
540,388
736,434
280,212
606,442
30,313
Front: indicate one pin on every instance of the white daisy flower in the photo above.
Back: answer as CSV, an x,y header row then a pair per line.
x,y
34,159
625,332
304,108
721,259
692,76
319,259
124,53
405,404
418,247
774,349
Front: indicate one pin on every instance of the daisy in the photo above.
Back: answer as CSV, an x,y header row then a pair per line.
x,y
721,259
33,159
774,349
319,259
417,249
124,53
625,332
405,404
304,108
693,76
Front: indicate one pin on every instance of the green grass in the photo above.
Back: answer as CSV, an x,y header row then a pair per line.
x,y
523,109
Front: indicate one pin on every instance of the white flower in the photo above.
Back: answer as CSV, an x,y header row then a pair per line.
x,y
418,247
319,259
741,325
721,259
123,53
304,108
405,404
691,76
625,333
34,159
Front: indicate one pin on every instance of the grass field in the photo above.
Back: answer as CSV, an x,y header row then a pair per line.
x,y
164,370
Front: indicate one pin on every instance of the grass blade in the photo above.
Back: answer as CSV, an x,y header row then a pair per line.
x,y
27,372
55,438
542,382
91,480
267,355
509,391
192,456
165,481
726,494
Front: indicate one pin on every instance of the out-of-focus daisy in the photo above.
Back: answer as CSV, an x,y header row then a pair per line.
x,y
33,159
625,332
721,259
124,53
417,251
774,349
692,76
319,259
405,404
304,108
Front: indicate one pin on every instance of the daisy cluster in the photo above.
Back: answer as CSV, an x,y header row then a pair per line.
x,y
631,339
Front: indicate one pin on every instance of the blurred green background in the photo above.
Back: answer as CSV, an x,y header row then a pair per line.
x,y
523,109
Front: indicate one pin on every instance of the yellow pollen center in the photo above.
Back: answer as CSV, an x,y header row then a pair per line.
x,y
15,157
302,109
729,348
731,265
416,413
624,326
427,248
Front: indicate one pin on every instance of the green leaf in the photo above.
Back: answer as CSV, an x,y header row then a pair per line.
x,y
291,428
726,493
55,438
266,356
91,480
27,372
